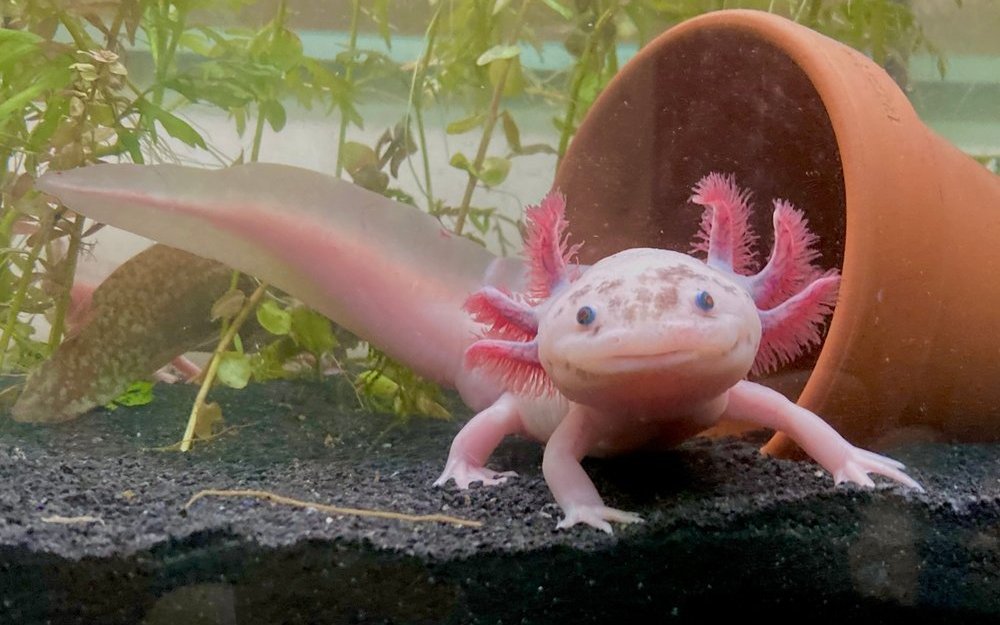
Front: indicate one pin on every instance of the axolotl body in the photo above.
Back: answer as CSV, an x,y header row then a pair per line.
x,y
641,350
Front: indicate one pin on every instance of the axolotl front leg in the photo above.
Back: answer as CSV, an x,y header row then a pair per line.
x,y
477,440
577,435
570,431
762,406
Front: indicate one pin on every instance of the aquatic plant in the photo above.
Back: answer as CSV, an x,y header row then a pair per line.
x,y
70,96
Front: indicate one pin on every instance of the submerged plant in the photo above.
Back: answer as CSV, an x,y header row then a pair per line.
x,y
68,99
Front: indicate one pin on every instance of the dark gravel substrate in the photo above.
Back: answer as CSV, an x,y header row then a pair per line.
x,y
728,533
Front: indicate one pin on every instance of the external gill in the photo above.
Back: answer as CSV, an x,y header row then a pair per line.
x,y
504,316
793,296
547,246
510,346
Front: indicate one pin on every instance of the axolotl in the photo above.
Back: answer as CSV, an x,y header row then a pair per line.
x,y
643,349
649,347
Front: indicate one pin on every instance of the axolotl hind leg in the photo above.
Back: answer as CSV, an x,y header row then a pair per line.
x,y
477,440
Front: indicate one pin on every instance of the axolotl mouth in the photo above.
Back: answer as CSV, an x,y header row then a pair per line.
x,y
649,361
625,352
673,377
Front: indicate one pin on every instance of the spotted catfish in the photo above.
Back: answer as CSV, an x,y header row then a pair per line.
x,y
649,347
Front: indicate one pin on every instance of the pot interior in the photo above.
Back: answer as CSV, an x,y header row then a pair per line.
x,y
712,99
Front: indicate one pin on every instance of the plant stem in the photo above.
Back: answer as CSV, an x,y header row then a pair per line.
x,y
579,73
348,76
166,42
213,365
258,135
69,273
79,35
229,332
489,124
416,101
27,273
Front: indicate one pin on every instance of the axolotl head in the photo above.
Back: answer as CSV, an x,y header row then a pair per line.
x,y
648,327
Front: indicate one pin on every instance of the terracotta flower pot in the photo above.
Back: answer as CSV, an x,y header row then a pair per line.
x,y
914,224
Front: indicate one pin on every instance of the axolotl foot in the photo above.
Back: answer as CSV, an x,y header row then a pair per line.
x,y
857,463
465,473
596,516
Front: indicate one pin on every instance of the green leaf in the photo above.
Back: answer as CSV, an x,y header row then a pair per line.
x,y
356,156
498,52
481,219
131,144
380,12
51,79
500,6
239,114
537,148
495,170
511,132
274,112
137,394
285,49
11,53
377,384
208,420
195,42
465,124
565,12
228,305
234,369
274,318
269,362
590,86
460,161
513,85
175,126
55,109
17,36
312,331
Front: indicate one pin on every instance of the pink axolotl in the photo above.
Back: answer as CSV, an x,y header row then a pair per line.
x,y
643,349
648,347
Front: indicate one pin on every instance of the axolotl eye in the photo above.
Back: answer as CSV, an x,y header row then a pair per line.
x,y
704,301
585,316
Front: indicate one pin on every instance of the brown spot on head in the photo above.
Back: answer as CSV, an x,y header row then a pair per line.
x,y
580,292
675,273
632,312
643,295
666,299
609,285
725,286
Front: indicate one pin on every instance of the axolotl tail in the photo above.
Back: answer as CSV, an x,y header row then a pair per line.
x,y
386,271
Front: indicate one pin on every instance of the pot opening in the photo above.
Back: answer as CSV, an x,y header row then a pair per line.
x,y
712,99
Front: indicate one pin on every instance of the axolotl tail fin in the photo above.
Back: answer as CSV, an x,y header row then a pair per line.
x,y
386,271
